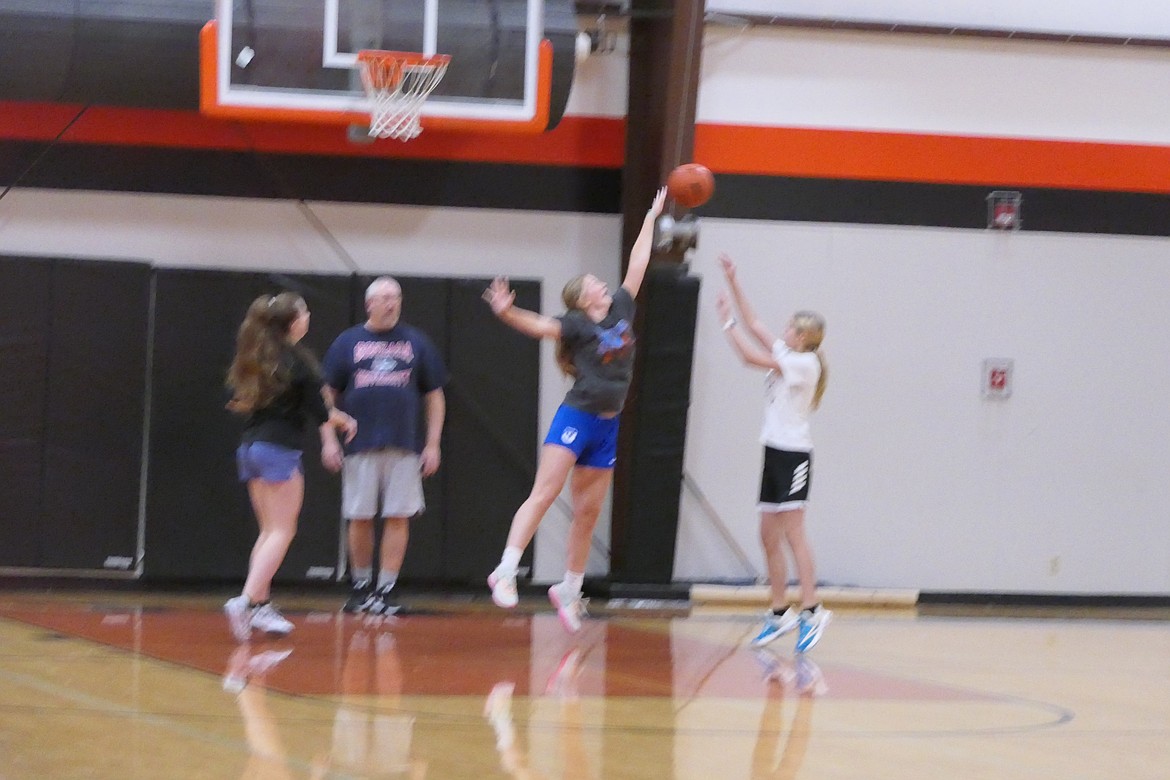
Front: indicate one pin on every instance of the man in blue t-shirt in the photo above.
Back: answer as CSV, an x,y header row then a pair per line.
x,y
381,373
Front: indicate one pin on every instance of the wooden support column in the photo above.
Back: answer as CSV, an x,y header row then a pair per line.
x,y
665,56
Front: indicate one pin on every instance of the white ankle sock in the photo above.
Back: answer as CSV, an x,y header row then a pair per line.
x,y
574,580
509,562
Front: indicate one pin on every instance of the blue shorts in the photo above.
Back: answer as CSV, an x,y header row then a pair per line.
x,y
267,461
593,439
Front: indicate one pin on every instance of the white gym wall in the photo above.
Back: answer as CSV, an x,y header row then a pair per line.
x,y
919,482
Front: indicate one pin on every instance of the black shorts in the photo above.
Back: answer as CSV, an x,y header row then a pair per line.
x,y
784,483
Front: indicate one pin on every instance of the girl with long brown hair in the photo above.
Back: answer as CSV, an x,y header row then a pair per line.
x,y
276,383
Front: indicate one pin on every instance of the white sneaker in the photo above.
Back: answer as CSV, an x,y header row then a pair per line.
x,y
236,676
563,682
267,660
268,619
244,666
498,711
569,607
239,616
503,590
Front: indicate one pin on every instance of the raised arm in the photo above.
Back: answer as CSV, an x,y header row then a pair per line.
x,y
754,326
749,351
640,252
502,299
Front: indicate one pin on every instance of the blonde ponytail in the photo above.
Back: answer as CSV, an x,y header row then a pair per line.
x,y
571,297
822,380
811,327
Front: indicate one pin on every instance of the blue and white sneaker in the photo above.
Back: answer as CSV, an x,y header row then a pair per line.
x,y
812,625
773,668
776,625
809,679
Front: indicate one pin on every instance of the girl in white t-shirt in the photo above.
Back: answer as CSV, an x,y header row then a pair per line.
x,y
794,386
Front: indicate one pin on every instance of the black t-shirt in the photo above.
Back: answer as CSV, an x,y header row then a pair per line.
x,y
603,354
299,408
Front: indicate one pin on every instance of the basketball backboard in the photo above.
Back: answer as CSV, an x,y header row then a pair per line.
x,y
295,60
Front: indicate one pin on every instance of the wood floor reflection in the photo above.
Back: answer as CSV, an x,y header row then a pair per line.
x,y
151,686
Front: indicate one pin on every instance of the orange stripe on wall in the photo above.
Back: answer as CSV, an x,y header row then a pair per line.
x,y
843,154
577,141
599,142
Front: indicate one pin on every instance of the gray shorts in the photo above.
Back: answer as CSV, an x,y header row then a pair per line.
x,y
392,475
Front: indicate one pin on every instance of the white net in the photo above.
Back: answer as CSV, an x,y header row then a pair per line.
x,y
397,85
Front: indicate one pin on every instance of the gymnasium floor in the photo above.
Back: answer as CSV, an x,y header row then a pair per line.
x,y
152,686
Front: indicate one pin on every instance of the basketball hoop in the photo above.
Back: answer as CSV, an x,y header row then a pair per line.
x,y
397,84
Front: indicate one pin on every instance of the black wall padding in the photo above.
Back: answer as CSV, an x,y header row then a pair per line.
x,y
94,414
25,299
199,522
67,55
491,407
79,351
643,547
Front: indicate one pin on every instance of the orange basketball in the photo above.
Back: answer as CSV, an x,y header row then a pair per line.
x,y
690,185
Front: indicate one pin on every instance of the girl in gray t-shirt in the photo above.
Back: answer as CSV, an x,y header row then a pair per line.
x,y
595,346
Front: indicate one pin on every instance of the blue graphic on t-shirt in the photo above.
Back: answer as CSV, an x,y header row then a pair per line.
x,y
612,342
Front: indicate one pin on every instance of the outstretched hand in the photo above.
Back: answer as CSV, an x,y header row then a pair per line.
x,y
723,306
658,202
728,266
499,295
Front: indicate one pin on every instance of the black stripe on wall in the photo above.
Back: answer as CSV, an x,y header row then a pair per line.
x,y
934,205
311,177
557,188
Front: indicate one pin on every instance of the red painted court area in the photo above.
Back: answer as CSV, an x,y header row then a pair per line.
x,y
455,654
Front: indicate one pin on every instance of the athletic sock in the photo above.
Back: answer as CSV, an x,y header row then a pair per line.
x,y
574,580
509,561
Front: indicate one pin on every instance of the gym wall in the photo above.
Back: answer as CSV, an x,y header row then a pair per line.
x,y
851,168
